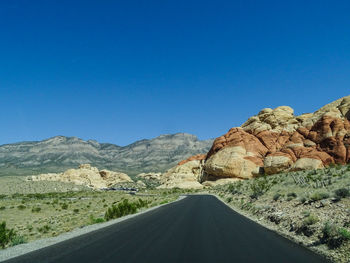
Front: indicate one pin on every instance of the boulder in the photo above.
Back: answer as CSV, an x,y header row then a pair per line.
x,y
231,162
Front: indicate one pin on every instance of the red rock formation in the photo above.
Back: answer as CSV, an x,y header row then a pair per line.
x,y
277,140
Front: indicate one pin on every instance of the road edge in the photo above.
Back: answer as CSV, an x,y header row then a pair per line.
x,y
26,248
271,228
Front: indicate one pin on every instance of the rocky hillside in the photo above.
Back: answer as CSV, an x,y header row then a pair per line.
x,y
276,140
60,153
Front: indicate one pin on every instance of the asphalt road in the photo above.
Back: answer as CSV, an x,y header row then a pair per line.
x,y
195,229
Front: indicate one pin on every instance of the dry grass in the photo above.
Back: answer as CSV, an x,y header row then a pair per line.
x,y
34,214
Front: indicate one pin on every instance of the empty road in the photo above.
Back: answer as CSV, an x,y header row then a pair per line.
x,y
195,229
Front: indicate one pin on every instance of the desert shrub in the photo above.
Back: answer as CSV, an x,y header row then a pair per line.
x,y
302,199
124,208
344,233
342,193
94,220
259,186
310,220
229,199
21,207
17,240
276,196
319,196
333,236
141,203
306,213
44,229
64,206
36,209
6,234
292,195
234,188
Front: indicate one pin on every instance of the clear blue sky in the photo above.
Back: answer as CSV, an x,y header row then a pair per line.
x,y
119,71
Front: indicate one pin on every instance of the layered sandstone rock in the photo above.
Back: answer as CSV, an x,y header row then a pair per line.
x,y
85,175
276,140
198,157
185,176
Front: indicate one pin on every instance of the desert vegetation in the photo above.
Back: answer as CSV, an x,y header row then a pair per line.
x,y
29,215
311,207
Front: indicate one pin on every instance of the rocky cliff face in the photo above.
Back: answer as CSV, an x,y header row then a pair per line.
x,y
276,140
60,153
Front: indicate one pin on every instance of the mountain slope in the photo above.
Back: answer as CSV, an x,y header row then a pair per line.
x,y
60,152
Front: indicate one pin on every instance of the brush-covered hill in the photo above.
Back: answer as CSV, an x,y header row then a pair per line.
x,y
59,153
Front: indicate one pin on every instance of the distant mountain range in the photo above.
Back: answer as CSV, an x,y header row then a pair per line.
x,y
60,153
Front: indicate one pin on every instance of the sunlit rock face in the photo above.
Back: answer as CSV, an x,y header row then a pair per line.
x,y
85,175
276,140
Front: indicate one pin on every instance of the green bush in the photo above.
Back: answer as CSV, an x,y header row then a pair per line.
x,y
17,240
6,234
259,186
302,199
44,229
333,236
276,196
21,207
124,208
306,213
64,206
344,233
94,220
76,211
294,195
36,209
2,208
319,196
310,220
229,199
342,193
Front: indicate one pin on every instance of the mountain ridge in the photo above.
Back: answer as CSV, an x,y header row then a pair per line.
x,y
61,152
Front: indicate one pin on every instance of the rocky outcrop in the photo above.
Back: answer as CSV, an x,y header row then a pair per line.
x,y
185,176
276,140
85,175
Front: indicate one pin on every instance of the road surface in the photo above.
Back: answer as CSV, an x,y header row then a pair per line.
x,y
198,228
